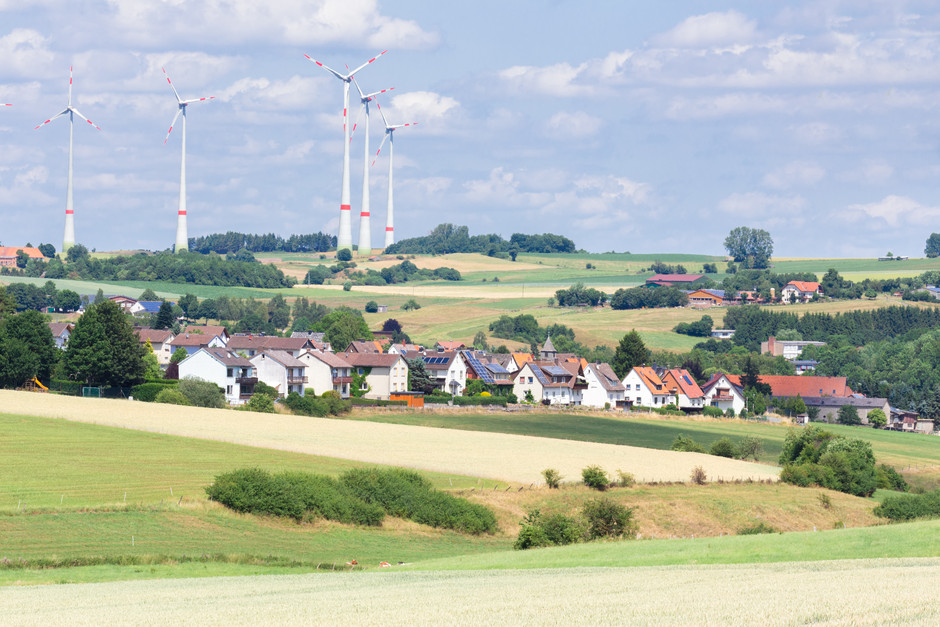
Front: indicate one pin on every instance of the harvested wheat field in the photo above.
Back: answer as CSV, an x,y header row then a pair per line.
x,y
493,455
768,594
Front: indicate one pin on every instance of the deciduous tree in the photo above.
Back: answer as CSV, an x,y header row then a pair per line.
x,y
754,247
103,349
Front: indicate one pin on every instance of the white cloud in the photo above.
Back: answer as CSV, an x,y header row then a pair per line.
x,y
765,209
553,80
894,211
795,174
425,108
294,93
294,22
573,125
816,133
25,53
709,30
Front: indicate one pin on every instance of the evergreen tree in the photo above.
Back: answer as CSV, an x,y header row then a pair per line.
x,y
418,378
631,352
164,318
103,349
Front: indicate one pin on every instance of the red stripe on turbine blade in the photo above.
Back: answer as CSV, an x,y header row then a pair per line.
x,y
345,208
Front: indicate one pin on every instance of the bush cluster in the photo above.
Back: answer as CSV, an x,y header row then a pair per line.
x,y
148,391
816,457
755,529
362,497
599,518
748,446
890,479
595,477
327,404
484,400
910,506
171,396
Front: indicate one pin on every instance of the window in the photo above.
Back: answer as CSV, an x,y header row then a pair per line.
x,y
229,373
228,388
359,371
530,379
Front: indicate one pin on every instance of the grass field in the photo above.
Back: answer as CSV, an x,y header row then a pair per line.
x,y
765,594
489,455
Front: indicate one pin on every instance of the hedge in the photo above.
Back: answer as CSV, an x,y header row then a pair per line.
x,y
148,391
481,400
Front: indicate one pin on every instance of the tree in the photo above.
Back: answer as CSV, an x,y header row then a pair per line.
x,y
877,418
372,306
202,393
27,349
344,255
148,294
178,355
164,318
342,326
848,415
190,305
21,259
631,352
750,380
933,245
47,250
152,368
7,303
67,300
419,380
752,246
479,341
410,304
76,253
103,349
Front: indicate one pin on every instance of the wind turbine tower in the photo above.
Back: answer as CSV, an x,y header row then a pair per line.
x,y
68,239
365,226
390,136
344,238
182,234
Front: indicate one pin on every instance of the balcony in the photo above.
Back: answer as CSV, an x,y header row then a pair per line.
x,y
248,381
342,380
296,380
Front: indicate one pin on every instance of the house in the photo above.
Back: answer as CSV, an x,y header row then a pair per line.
x,y
550,383
683,388
799,291
208,329
722,334
384,373
932,290
447,345
8,255
146,307
61,331
365,346
644,387
401,349
829,406
724,394
281,370
315,338
449,370
910,421
803,386
159,341
675,280
489,370
227,369
518,359
805,365
603,387
251,344
707,298
124,302
192,342
788,349
326,371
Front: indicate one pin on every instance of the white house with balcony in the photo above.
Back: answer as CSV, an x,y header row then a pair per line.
x,y
227,369
326,371
281,370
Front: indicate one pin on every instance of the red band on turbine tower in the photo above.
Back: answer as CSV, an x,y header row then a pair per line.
x,y
345,208
389,228
182,213
364,214
69,212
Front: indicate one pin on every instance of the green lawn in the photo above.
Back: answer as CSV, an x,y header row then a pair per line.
x,y
49,463
917,539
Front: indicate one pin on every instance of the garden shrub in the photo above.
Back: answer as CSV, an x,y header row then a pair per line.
x,y
625,479
328,404
263,388
595,477
561,530
552,477
898,507
712,411
261,403
171,396
723,447
688,445
890,479
608,519
755,529
532,535
147,392
202,393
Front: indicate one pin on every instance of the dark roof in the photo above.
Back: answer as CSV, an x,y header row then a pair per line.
x,y
227,357
313,336
330,359
372,360
271,342
158,336
58,328
192,339
282,357
839,401
607,377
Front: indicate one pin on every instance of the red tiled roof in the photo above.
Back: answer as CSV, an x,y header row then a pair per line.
x,y
260,342
792,386
682,378
192,339
804,286
31,251
650,379
208,329
156,336
371,360
449,345
58,328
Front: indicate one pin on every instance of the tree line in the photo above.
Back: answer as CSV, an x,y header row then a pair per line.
x,y
232,242
447,238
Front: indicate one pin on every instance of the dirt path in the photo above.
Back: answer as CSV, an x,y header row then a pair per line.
x,y
492,455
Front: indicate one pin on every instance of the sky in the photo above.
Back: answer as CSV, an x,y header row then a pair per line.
x,y
626,126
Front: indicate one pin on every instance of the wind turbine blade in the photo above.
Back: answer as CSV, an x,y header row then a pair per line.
x,y
377,93
368,62
387,135
59,115
70,85
178,99
173,123
5,105
403,125
358,117
359,89
384,119
76,112
197,100
328,69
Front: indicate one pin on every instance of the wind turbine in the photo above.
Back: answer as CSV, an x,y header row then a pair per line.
x,y
182,235
365,226
390,136
344,238
68,239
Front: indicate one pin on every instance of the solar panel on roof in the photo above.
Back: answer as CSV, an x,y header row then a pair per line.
x,y
496,369
482,372
687,379
539,375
